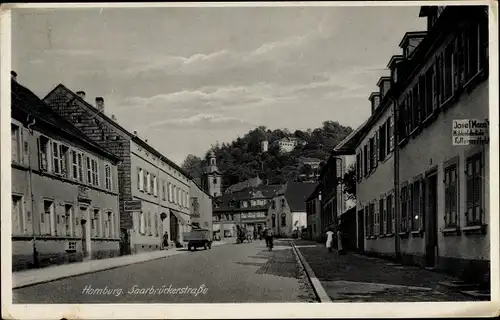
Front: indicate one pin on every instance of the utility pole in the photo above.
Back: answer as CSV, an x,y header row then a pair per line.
x,y
397,199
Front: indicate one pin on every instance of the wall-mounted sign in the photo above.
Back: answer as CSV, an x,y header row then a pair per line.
x,y
135,205
470,131
83,192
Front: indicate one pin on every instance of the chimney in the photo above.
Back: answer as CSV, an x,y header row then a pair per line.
x,y
410,41
13,75
99,103
146,140
113,117
81,94
135,132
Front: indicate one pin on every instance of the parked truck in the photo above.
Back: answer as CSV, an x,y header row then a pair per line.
x,y
198,238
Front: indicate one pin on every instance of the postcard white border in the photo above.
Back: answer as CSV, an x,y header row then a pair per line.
x,y
265,310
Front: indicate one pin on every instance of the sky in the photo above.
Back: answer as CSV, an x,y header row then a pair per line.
x,y
186,78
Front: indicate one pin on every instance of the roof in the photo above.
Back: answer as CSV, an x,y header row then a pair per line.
x,y
260,192
382,79
25,101
314,193
197,183
373,94
394,59
296,194
133,137
306,159
411,34
345,146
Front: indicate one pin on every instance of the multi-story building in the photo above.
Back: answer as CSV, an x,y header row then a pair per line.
x,y
154,191
201,207
247,208
64,189
331,195
287,214
433,174
287,144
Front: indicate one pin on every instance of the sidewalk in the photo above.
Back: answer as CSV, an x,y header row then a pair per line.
x,y
35,276
358,278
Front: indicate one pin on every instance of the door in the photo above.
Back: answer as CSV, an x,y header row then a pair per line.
x,y
431,251
83,224
174,228
361,231
124,242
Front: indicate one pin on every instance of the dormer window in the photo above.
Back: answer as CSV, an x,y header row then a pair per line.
x,y
212,161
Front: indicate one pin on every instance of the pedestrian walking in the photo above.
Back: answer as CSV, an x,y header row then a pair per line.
x,y
165,241
329,239
339,242
270,236
264,234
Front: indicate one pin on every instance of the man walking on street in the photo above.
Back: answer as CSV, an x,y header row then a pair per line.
x,y
329,239
270,235
264,233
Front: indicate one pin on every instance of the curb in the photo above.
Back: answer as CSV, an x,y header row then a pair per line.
x,y
56,278
320,292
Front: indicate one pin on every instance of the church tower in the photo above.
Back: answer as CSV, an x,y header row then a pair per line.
x,y
213,178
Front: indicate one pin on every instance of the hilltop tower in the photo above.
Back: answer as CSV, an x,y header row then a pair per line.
x,y
212,177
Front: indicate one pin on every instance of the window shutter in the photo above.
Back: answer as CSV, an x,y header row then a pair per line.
x,y
367,222
375,149
40,165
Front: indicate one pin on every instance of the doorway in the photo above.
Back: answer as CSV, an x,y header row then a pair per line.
x,y
431,251
174,228
361,231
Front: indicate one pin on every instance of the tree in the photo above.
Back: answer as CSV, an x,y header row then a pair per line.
x,y
349,182
193,165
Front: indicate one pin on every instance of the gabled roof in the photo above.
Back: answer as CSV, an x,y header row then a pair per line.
x,y
296,194
314,193
347,146
26,102
252,193
103,116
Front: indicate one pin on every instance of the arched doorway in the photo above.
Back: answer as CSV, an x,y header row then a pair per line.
x,y
174,227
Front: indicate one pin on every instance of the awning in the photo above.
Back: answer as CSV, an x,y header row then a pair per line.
x,y
180,216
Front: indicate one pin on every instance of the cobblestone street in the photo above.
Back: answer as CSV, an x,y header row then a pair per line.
x,y
357,278
231,273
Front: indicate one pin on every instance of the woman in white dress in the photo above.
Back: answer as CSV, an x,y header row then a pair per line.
x,y
329,239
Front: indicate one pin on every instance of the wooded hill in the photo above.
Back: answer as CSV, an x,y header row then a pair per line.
x,y
243,158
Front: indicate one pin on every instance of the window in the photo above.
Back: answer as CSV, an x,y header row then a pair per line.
x,y
156,224
273,204
140,179
89,170
372,219
107,172
283,220
390,217
154,185
169,192
474,190
404,208
244,204
149,181
282,203
15,146
77,165
68,219
382,142
448,72
96,224
365,160
390,134
373,154
418,206
18,221
95,172
163,190
60,158
451,196
415,110
214,180
142,223
109,225
145,178
43,153
430,79
47,218
148,218
383,216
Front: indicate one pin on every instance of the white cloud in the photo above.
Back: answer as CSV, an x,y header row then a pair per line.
x,y
202,122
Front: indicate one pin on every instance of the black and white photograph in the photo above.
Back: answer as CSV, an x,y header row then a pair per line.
x,y
264,157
